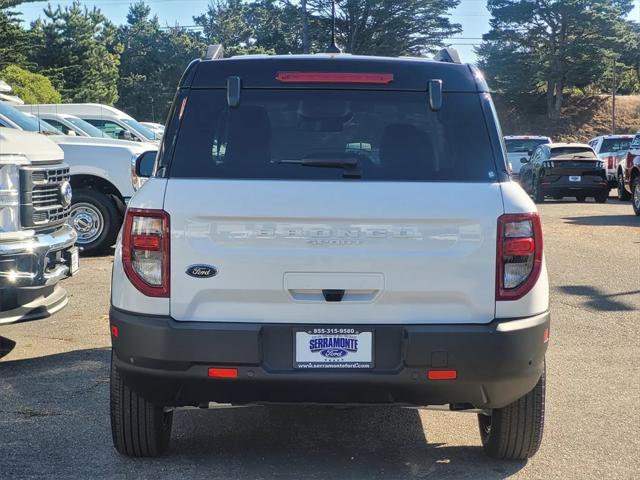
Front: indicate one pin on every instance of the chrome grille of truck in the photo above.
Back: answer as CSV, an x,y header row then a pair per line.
x,y
41,197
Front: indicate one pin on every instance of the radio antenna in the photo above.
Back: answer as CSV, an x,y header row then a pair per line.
x,y
333,48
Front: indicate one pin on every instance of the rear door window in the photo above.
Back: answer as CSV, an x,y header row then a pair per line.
x,y
613,145
385,136
109,128
58,125
523,145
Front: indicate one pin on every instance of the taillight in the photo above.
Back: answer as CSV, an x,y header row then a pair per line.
x,y
519,255
610,163
145,251
548,164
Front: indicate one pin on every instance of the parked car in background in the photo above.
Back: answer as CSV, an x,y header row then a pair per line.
x,y
629,172
612,149
521,146
158,128
100,171
71,125
565,170
111,121
36,243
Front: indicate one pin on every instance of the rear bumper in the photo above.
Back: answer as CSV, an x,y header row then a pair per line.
x,y
570,189
167,362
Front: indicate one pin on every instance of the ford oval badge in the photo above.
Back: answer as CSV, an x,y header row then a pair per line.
x,y
202,271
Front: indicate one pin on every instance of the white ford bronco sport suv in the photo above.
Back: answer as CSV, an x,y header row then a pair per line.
x,y
315,231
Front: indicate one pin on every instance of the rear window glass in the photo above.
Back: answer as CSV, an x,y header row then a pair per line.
x,y
524,146
332,134
613,145
572,152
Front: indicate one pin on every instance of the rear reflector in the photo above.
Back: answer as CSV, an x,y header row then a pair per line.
x,y
442,374
334,77
146,242
223,373
545,335
519,246
114,331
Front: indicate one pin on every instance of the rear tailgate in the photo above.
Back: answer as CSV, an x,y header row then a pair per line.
x,y
402,253
341,206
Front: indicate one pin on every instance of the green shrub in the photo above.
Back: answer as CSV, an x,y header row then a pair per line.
x,y
30,87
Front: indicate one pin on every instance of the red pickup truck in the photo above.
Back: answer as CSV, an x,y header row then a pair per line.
x,y
629,169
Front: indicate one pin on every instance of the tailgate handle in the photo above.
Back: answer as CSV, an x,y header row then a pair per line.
x,y
333,295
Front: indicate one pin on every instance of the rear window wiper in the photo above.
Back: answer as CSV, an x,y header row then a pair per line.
x,y
348,161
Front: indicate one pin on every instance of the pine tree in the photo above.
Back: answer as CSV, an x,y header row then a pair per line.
x,y
552,45
152,62
79,50
15,42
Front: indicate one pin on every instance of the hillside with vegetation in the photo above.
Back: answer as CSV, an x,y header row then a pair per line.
x,y
583,118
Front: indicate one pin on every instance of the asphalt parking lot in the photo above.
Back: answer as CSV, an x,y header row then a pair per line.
x,y
54,420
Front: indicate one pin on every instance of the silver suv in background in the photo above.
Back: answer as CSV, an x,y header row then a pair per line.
x,y
521,147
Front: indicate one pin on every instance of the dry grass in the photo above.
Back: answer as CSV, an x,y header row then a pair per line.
x,y
582,119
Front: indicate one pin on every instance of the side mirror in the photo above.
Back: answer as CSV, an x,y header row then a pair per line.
x,y
145,164
125,135
524,160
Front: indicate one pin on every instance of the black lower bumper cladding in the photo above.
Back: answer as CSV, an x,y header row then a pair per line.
x,y
168,362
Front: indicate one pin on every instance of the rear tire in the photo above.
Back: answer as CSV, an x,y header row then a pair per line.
x,y
515,432
623,195
138,427
538,195
581,198
95,219
636,195
602,197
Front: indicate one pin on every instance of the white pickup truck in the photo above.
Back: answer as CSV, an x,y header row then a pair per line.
x,y
612,149
519,148
101,178
36,243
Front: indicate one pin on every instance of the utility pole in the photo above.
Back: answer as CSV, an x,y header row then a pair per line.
x,y
613,98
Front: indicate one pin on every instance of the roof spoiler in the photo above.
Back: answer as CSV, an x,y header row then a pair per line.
x,y
214,52
448,55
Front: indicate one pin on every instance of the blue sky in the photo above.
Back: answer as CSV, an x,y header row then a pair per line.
x,y
471,14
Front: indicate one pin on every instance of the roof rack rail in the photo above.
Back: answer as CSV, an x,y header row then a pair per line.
x,y
214,52
449,55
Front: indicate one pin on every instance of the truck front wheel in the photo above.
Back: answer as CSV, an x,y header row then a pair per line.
x,y
95,219
623,195
139,428
636,195
514,432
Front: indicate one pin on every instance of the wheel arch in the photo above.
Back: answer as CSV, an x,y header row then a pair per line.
x,y
99,184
